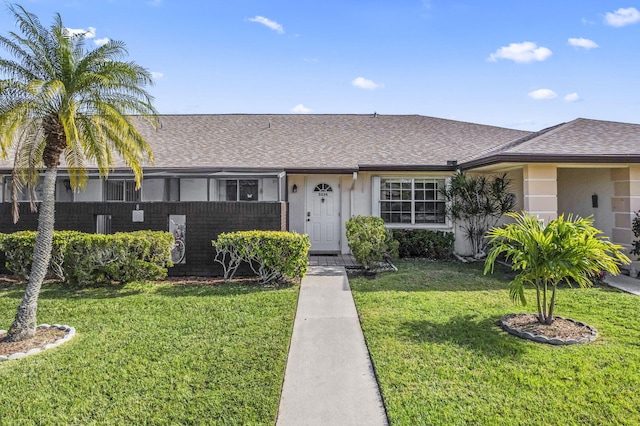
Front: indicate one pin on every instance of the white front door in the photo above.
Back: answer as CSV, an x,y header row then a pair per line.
x,y
323,213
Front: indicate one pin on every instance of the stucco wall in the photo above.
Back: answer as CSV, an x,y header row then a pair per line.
x,y
462,245
575,188
92,192
357,198
296,203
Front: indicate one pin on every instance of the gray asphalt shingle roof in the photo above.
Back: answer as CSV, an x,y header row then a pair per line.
x,y
349,142
584,137
318,141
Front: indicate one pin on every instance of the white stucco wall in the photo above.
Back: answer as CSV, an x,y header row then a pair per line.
x,y
462,245
356,200
269,189
153,189
296,203
62,193
193,189
92,192
575,188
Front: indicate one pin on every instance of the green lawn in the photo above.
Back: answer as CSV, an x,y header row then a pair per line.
x,y
441,358
152,354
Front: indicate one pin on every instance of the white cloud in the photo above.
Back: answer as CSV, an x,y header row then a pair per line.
x,y
156,75
622,17
101,41
583,42
521,52
300,109
89,33
364,83
572,97
268,23
310,59
542,94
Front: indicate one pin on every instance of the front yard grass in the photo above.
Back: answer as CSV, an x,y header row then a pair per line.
x,y
441,359
152,354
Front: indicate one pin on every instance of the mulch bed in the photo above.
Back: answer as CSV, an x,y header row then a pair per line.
x,y
43,336
563,329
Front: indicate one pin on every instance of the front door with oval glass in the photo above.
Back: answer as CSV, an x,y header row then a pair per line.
x,y
323,214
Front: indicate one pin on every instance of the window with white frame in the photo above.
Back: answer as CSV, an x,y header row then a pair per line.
x,y
121,190
412,201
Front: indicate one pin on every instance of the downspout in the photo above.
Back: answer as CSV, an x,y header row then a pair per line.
x,y
354,179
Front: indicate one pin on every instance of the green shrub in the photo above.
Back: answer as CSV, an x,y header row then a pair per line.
x,y
84,259
121,257
18,250
423,243
369,240
272,255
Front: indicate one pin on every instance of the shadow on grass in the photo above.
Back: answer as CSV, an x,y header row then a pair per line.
x,y
480,334
60,291
224,289
441,280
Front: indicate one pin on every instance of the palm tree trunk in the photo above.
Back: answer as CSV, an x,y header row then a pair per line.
x,y
24,324
544,302
551,306
540,312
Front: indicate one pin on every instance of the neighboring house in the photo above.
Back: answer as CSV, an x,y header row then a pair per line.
x,y
310,173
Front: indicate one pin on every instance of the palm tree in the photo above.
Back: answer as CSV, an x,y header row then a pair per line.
x,y
477,203
566,250
62,101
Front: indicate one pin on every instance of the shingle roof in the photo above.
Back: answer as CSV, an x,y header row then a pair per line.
x,y
583,137
317,141
351,142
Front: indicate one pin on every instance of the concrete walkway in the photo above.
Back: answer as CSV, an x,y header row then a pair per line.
x,y
329,378
624,283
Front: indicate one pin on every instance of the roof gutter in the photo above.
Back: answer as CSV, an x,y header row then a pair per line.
x,y
317,170
549,158
408,168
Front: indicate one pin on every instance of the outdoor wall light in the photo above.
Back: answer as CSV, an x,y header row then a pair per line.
x,y
594,201
294,188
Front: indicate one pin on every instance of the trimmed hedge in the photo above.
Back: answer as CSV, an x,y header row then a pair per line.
x,y
18,250
272,255
88,259
423,243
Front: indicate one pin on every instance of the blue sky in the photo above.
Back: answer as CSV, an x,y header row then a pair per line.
x,y
525,64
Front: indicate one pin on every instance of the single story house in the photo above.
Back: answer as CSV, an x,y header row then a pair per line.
x,y
311,173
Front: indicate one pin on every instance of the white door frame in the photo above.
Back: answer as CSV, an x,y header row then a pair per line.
x,y
330,227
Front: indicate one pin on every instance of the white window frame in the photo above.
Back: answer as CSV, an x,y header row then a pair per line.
x,y
376,200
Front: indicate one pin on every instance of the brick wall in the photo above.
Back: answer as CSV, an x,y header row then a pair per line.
x,y
205,220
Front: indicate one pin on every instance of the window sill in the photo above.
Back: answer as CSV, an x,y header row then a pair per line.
x,y
433,226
